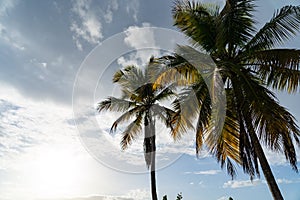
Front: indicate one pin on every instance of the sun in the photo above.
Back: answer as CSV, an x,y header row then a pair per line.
x,y
55,172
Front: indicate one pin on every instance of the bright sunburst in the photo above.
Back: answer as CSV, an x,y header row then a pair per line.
x,y
56,172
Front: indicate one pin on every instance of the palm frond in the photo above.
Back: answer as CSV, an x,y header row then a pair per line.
x,y
164,114
284,24
178,72
274,124
203,122
130,77
277,128
197,21
239,105
126,116
165,94
235,25
279,68
131,131
185,107
225,145
115,104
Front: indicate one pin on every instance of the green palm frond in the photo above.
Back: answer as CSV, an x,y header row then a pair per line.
x,y
247,64
197,21
277,128
225,143
118,76
279,68
240,103
192,102
203,123
185,67
130,78
235,25
115,104
131,131
139,99
178,72
164,114
181,120
275,125
247,153
144,93
127,116
166,94
284,24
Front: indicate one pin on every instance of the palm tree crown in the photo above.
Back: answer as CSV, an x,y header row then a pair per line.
x,y
139,104
249,63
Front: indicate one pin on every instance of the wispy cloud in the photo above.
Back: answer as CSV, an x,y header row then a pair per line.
x,y
26,123
88,27
86,24
111,8
276,158
12,38
5,6
205,172
9,36
38,144
132,8
255,182
242,183
208,172
285,181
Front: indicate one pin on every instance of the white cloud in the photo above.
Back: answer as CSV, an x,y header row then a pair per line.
x,y
276,158
108,16
208,172
40,64
88,27
5,6
25,124
143,40
132,8
255,182
240,184
112,7
38,146
284,181
138,194
12,38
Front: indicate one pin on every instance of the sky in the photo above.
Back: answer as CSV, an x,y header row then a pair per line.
x,y
56,62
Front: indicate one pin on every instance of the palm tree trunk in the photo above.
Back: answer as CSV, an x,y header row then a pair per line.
x,y
153,179
265,167
149,151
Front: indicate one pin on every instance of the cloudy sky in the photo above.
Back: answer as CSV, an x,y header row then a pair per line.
x,y
56,62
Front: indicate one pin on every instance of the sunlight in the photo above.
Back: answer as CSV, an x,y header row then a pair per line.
x,y
56,172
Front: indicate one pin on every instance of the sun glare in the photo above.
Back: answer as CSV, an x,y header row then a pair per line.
x,y
55,173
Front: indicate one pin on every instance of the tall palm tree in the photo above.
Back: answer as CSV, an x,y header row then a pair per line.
x,y
249,63
139,104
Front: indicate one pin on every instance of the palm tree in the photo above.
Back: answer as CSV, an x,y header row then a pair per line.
x,y
179,196
249,63
139,103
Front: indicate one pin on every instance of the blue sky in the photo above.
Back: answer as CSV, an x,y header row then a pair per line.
x,y
52,143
